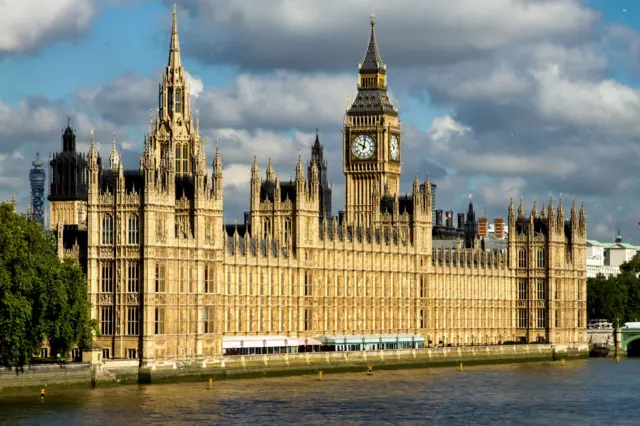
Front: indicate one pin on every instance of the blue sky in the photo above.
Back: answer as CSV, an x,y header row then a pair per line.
x,y
511,97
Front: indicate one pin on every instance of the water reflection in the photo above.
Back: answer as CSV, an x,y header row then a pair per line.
x,y
581,392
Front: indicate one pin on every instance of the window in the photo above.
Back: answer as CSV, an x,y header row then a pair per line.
x,y
185,159
170,100
287,230
178,161
160,275
266,228
522,290
208,281
579,318
132,277
106,320
422,288
522,318
307,284
422,318
307,319
522,258
107,277
541,290
557,318
208,319
178,100
132,321
182,278
159,329
541,318
133,236
107,229
540,258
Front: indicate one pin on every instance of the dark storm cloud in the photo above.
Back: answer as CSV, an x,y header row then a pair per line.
x,y
306,36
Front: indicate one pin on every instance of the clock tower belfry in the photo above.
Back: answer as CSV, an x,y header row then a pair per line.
x,y
372,140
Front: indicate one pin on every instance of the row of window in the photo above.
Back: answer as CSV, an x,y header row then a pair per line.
x,y
539,259
107,277
186,320
541,289
133,229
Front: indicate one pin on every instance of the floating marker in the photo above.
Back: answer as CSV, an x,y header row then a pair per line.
x,y
461,368
210,383
320,378
369,370
563,362
617,359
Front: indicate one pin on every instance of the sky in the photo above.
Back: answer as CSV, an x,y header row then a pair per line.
x,y
500,98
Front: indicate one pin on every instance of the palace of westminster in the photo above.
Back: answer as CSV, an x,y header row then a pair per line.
x,y
169,280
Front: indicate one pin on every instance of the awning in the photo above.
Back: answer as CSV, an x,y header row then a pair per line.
x,y
308,341
370,339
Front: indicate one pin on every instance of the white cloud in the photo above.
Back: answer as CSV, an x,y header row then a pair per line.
x,y
443,129
195,85
26,24
278,100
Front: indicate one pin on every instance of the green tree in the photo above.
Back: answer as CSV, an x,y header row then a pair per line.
x,y
606,298
40,297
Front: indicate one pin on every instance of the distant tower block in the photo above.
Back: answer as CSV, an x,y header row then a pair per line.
x,y
37,177
498,228
483,226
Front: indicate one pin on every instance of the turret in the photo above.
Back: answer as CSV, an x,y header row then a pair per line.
x,y
114,158
560,219
217,172
270,172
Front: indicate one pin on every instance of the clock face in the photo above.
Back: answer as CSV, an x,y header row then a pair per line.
x,y
394,147
363,147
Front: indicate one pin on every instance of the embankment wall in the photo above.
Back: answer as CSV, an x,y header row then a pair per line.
x,y
122,372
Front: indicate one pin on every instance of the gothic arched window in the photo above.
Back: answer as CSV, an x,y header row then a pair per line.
x,y
185,159
522,258
178,162
107,229
540,258
287,230
178,100
133,234
266,228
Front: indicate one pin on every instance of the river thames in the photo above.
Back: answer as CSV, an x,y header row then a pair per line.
x,y
596,391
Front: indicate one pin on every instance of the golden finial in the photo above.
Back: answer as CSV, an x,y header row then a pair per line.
x,y
373,15
470,195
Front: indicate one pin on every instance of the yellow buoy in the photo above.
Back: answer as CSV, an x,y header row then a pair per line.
x,y
563,362
461,368
43,392
210,383
617,359
370,370
320,378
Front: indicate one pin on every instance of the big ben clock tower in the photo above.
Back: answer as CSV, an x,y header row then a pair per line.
x,y
372,146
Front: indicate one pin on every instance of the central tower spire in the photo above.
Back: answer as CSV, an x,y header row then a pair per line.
x,y
174,49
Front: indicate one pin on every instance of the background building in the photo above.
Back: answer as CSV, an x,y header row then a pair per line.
x,y
37,178
606,258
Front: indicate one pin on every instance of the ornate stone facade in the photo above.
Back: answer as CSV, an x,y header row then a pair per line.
x,y
168,279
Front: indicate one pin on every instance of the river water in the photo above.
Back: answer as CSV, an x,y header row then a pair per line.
x,y
596,391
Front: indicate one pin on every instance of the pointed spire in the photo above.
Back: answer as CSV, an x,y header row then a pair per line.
x,y
174,49
114,159
270,172
512,211
521,209
543,212
534,210
299,168
560,208
372,61
574,212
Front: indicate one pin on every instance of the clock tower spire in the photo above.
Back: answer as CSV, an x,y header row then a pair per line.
x,y
371,144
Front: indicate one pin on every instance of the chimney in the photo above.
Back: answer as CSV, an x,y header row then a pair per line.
x,y
460,220
498,227
449,219
483,226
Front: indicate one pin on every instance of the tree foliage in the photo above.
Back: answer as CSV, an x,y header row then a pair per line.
x,y
616,298
41,298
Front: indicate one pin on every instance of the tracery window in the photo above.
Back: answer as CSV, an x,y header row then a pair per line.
x,y
107,229
178,100
522,289
185,159
540,258
178,160
133,234
287,230
522,258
